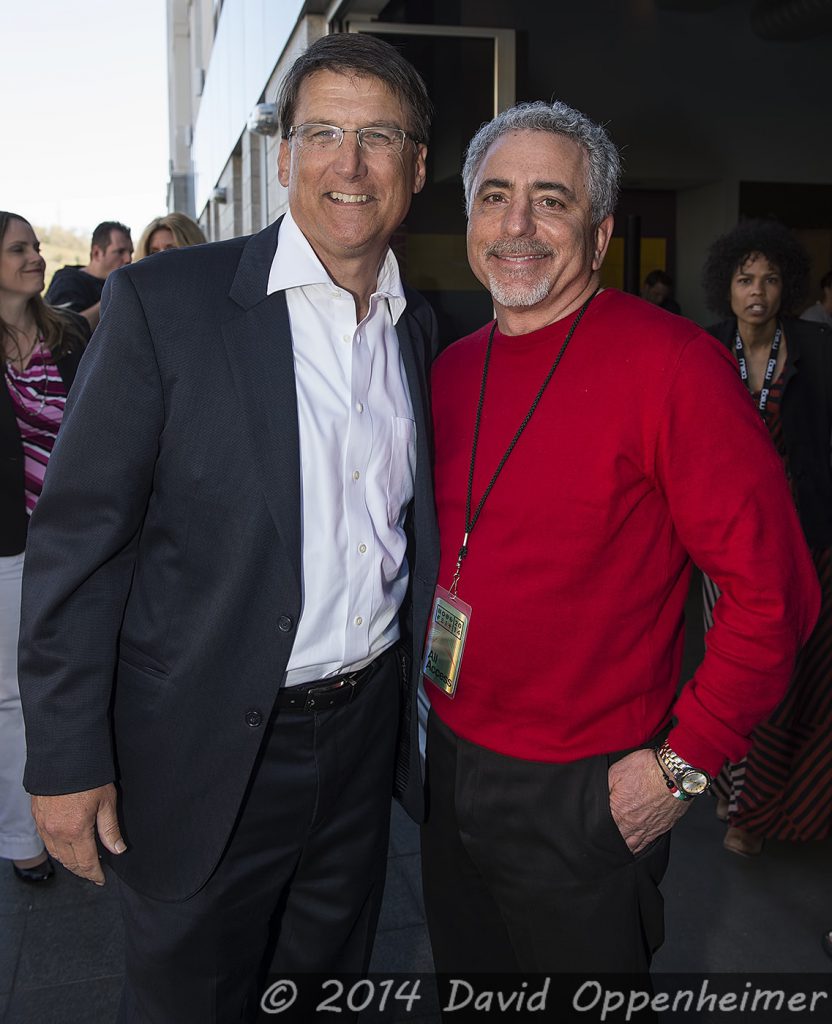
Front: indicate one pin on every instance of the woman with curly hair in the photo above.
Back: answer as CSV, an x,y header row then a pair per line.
x,y
41,348
755,275
173,231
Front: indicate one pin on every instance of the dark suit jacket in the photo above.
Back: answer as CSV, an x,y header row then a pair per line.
x,y
152,655
806,412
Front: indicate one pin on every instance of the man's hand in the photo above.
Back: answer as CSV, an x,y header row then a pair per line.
x,y
642,806
68,823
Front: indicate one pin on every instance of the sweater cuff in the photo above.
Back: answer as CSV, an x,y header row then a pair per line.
x,y
697,751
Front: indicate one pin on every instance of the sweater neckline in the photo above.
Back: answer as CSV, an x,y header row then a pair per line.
x,y
548,335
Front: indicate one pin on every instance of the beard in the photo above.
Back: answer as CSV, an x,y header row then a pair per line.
x,y
512,287
512,294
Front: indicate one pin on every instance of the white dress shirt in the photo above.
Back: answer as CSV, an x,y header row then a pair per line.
x,y
357,460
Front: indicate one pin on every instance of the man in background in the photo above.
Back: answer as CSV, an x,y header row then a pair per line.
x,y
821,311
658,289
79,288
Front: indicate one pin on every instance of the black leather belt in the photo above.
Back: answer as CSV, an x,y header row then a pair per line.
x,y
328,693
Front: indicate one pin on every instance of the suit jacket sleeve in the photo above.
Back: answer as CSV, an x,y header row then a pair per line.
x,y
81,548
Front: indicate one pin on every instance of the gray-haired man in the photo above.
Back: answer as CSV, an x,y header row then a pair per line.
x,y
586,447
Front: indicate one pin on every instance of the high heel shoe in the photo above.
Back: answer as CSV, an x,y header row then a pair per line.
x,y
39,873
737,840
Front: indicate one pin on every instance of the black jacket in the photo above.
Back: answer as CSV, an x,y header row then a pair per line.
x,y
73,288
806,412
14,521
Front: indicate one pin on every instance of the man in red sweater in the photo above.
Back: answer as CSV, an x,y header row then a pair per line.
x,y
589,447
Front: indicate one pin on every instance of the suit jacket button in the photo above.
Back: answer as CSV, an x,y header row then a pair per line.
x,y
285,623
253,718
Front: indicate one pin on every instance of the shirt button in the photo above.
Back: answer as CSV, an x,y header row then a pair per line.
x,y
356,475
347,338
358,620
285,623
362,548
359,407
253,718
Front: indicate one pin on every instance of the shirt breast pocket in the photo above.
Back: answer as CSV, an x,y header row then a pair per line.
x,y
402,473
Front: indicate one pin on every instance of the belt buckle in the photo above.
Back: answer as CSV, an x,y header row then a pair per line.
x,y
338,684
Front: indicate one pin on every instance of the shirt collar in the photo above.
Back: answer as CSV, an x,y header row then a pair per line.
x,y
295,265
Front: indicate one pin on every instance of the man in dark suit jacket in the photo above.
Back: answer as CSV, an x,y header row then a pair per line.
x,y
230,572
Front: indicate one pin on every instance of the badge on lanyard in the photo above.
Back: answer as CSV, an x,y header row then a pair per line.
x,y
446,640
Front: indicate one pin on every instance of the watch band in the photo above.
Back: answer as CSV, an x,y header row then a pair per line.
x,y
669,782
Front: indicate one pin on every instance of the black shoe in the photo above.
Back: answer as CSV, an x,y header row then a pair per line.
x,y
39,873
826,942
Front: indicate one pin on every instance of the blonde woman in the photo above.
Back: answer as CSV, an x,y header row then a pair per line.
x,y
173,231
41,348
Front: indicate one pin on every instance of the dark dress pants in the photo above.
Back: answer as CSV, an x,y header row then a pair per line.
x,y
304,869
524,869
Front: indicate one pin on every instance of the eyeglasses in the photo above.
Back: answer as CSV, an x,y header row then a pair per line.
x,y
329,136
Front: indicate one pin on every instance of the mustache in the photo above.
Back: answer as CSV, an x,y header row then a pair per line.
x,y
518,247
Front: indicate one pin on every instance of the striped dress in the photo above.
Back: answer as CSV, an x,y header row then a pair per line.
x,y
38,396
783,788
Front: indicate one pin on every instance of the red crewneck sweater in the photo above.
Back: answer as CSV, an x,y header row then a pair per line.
x,y
644,453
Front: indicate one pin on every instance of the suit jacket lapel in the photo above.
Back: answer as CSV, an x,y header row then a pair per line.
x,y
259,343
414,369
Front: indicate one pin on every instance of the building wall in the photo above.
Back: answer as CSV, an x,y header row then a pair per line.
x,y
250,36
180,106
252,173
220,67
309,29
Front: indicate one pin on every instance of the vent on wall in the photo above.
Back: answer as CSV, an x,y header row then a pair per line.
x,y
263,119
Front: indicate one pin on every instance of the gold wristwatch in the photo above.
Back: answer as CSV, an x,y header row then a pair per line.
x,y
687,780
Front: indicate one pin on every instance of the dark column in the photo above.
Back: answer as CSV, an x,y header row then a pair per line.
x,y
632,255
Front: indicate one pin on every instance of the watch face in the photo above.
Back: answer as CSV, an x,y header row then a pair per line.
x,y
695,783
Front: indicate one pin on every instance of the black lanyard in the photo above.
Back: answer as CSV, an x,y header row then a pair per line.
x,y
471,521
770,366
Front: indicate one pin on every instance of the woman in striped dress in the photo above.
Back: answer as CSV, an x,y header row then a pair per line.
x,y
41,349
756,273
